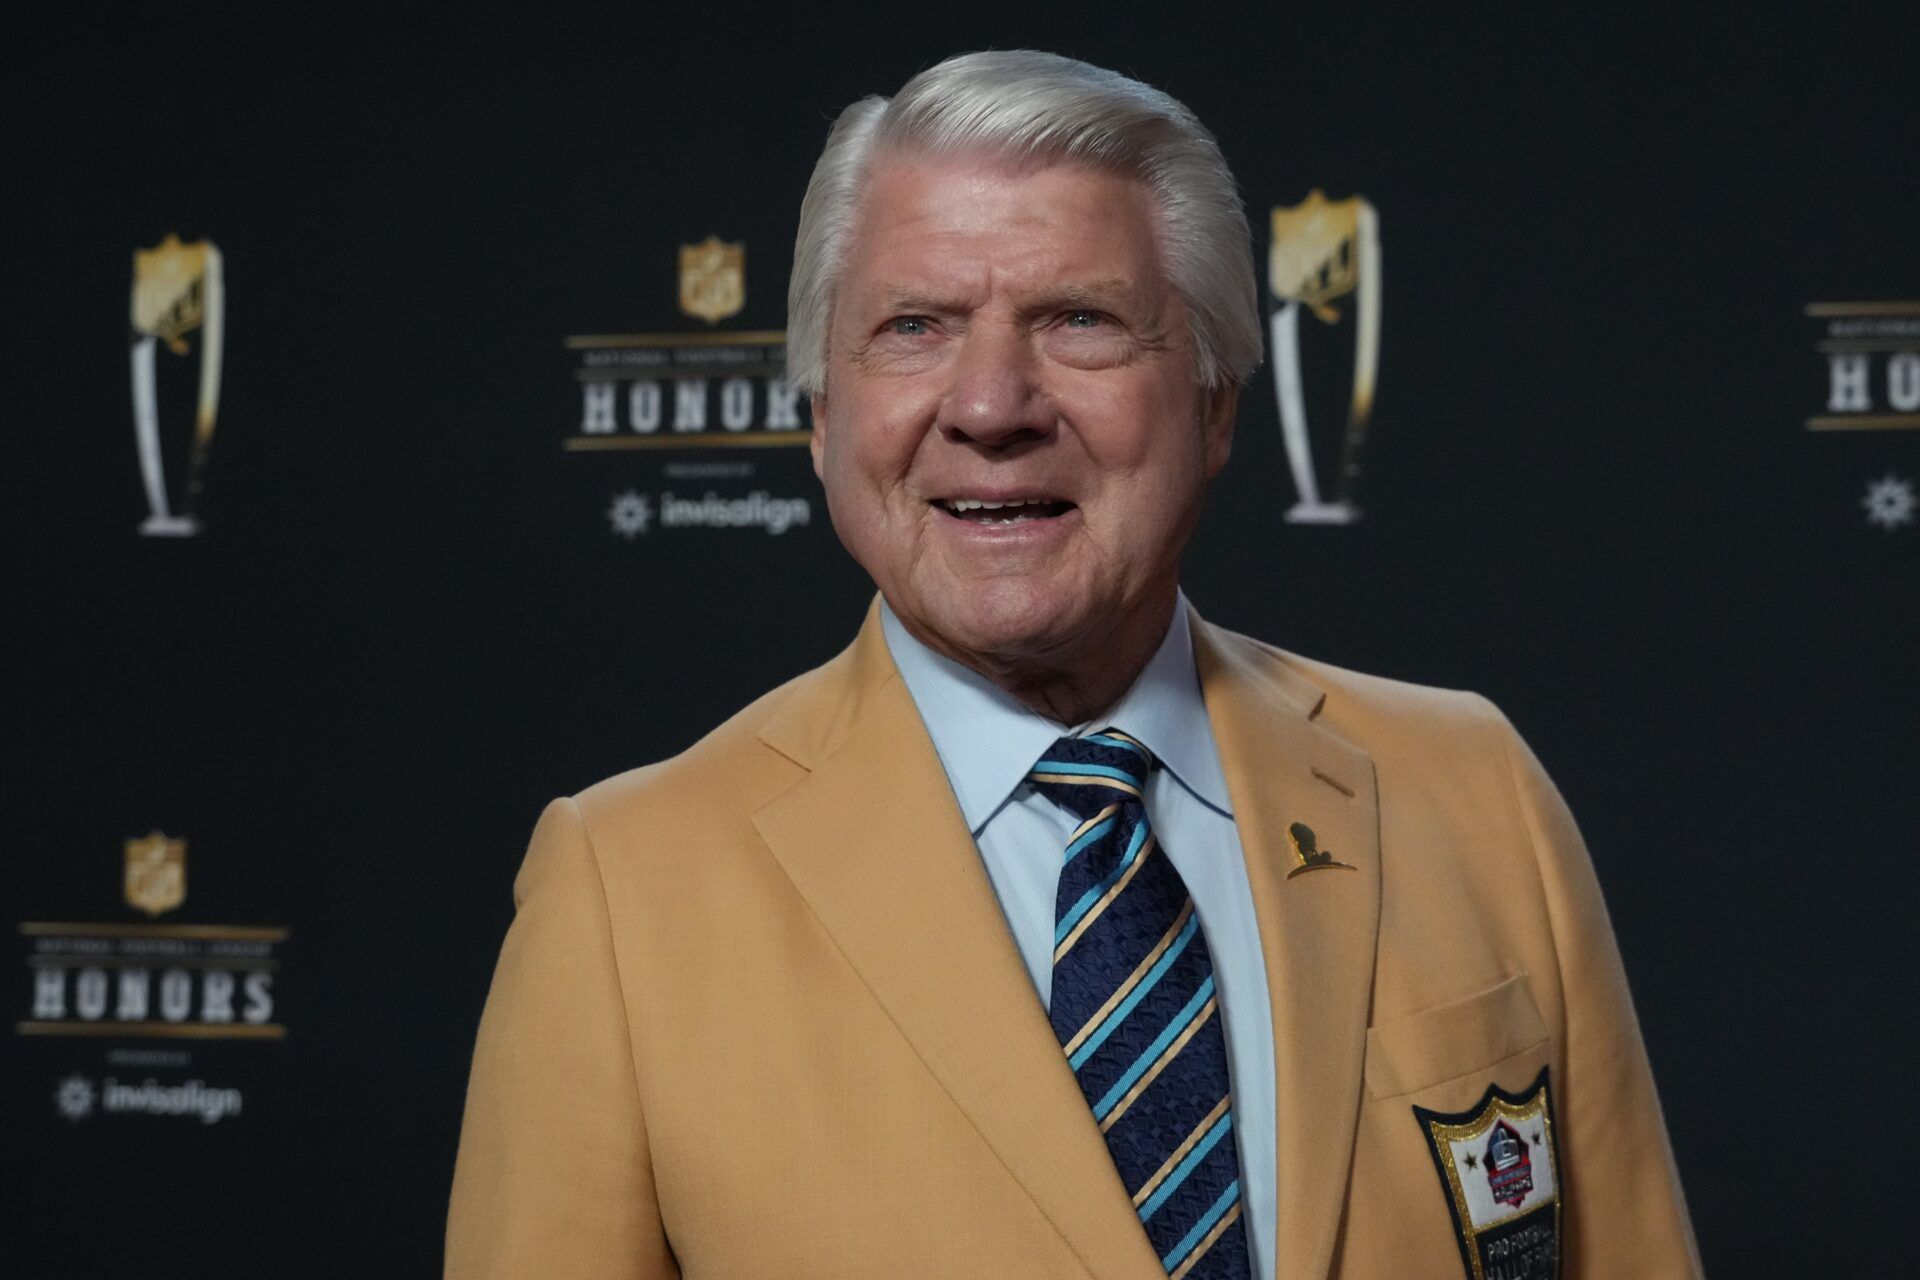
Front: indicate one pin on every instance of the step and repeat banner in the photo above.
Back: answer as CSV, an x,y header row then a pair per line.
x,y
398,436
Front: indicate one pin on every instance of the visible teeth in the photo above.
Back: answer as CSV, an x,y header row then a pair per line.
x,y
978,504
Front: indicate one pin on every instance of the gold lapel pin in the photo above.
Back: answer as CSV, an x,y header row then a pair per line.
x,y
1306,847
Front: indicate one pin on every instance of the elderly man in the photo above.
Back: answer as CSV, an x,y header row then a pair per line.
x,y
1048,930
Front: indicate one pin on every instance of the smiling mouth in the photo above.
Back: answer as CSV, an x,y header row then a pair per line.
x,y
1014,511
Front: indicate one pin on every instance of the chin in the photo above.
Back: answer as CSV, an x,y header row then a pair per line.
x,y
1008,620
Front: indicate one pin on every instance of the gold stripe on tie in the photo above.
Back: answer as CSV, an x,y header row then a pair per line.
x,y
1160,1064
1133,980
1227,1219
1145,1192
1082,780
1093,822
1093,912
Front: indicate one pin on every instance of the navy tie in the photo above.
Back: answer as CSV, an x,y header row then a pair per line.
x,y
1135,1009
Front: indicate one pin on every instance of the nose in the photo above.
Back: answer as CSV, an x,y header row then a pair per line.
x,y
995,398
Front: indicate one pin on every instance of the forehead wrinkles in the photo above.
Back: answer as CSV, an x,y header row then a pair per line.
x,y
926,217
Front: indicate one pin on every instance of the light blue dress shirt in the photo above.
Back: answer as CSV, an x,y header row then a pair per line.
x,y
987,742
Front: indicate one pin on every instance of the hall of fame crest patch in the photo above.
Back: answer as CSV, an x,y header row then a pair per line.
x,y
1502,1177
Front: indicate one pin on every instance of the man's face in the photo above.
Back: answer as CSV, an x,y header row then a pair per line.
x,y
1013,439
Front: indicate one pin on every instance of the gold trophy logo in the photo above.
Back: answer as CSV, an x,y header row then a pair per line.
x,y
1323,251
713,279
177,289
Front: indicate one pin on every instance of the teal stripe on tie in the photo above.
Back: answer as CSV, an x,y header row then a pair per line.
x,y
1200,1228
1187,1166
1138,994
1154,1050
1093,895
1073,849
1088,771
1116,742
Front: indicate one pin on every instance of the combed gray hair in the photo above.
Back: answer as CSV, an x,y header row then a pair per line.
x,y
1028,105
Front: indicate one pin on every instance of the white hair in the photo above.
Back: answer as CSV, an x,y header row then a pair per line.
x,y
1026,105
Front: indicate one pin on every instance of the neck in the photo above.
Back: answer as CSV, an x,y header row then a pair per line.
x,y
1071,687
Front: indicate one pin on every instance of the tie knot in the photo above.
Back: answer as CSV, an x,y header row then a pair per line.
x,y
1085,775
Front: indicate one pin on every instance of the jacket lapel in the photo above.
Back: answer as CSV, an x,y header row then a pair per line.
x,y
1317,929
874,841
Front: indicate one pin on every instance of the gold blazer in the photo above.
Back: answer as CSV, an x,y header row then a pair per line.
x,y
759,1014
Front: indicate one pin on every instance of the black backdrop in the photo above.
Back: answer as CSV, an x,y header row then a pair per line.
x,y
407,623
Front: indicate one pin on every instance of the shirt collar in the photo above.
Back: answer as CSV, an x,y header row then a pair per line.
x,y
987,741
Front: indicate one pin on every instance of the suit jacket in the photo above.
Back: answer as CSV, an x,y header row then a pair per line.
x,y
759,1014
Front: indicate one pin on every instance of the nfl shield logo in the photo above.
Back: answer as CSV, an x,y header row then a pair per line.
x,y
713,279
156,873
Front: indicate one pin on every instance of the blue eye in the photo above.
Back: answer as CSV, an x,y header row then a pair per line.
x,y
909,326
1083,319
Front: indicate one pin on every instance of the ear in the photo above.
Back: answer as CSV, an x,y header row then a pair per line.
x,y
817,446
1217,414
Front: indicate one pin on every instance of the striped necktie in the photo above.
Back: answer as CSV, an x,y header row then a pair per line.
x,y
1136,1011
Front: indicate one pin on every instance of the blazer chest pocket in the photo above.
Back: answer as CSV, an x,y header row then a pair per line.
x,y
1433,1046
